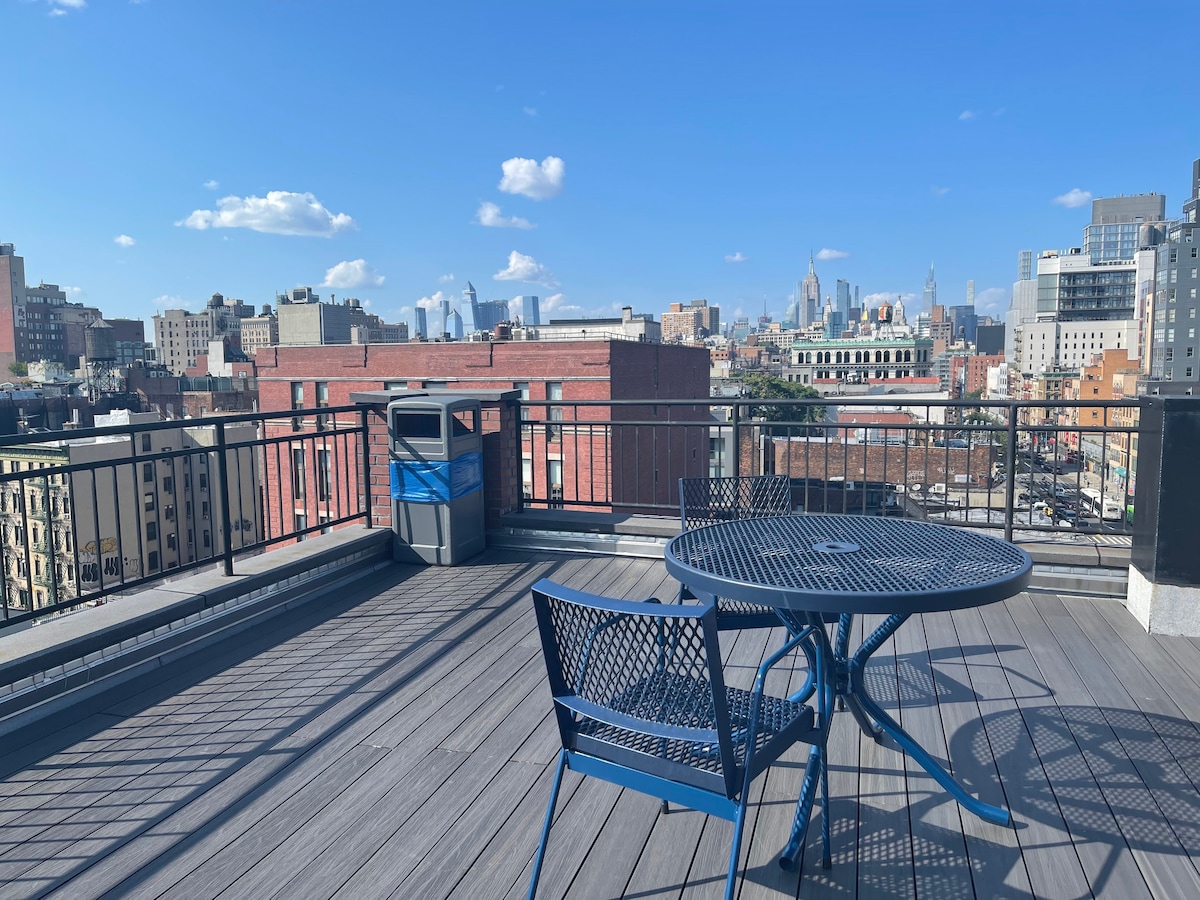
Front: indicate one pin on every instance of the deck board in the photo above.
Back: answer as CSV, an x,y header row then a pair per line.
x,y
397,742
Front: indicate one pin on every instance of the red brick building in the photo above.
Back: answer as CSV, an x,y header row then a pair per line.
x,y
618,457
977,369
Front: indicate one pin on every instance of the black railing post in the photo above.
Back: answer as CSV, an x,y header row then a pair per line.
x,y
520,414
1010,471
365,413
737,440
223,495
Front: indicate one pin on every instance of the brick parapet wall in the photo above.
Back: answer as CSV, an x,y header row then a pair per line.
x,y
884,463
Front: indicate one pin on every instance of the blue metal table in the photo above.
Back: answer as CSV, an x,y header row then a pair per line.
x,y
815,569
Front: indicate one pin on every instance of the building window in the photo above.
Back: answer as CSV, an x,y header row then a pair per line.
x,y
171,541
554,393
205,538
168,484
324,476
297,403
523,387
300,520
322,391
203,483
146,443
554,476
298,480
148,502
152,561
147,471
152,531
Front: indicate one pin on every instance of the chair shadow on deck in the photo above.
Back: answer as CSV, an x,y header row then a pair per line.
x,y
1122,782
58,734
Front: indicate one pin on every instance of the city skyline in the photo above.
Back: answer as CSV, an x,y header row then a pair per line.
x,y
643,158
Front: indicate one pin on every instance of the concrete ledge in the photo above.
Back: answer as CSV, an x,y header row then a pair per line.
x,y
61,657
1164,608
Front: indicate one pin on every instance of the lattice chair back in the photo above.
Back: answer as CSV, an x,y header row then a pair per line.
x,y
707,501
639,684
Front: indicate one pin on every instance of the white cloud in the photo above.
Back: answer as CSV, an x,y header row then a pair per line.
x,y
738,257
529,179
530,111
443,279
526,268
61,7
212,185
354,273
489,216
124,240
992,300
555,303
280,212
73,292
169,301
940,191
1073,198
827,253
435,302
967,115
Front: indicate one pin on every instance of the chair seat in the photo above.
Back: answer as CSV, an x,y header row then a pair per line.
x,y
674,699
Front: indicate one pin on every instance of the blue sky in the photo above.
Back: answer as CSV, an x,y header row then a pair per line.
x,y
153,151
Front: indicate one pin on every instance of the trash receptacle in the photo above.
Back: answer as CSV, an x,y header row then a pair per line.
x,y
436,479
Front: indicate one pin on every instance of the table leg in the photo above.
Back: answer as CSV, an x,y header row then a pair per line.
x,y
858,693
816,772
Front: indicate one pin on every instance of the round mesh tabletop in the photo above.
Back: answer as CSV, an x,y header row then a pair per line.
x,y
837,563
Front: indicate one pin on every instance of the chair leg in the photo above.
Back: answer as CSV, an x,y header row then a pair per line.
x,y
541,850
736,850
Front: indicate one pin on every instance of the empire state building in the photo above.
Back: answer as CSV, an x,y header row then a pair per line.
x,y
810,296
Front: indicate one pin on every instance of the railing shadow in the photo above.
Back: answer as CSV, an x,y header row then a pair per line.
x,y
30,843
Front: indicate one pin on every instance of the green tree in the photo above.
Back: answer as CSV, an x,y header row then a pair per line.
x,y
767,387
20,369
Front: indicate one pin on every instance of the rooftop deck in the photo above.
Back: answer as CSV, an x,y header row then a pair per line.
x,y
396,742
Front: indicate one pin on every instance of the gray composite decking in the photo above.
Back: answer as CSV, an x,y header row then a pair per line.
x,y
396,742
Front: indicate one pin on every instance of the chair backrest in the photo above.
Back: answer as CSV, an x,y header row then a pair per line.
x,y
639,684
707,501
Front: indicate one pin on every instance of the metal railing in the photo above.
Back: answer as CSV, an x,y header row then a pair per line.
x,y
1042,466
91,513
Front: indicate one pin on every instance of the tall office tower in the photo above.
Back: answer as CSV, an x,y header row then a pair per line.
x,y
1174,347
1191,206
791,318
12,301
454,325
529,311
971,292
843,300
1117,222
490,313
930,296
810,296
470,305
444,306
1023,308
420,324
710,317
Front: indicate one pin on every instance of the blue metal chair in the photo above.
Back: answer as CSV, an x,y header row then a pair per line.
x,y
707,501
641,702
